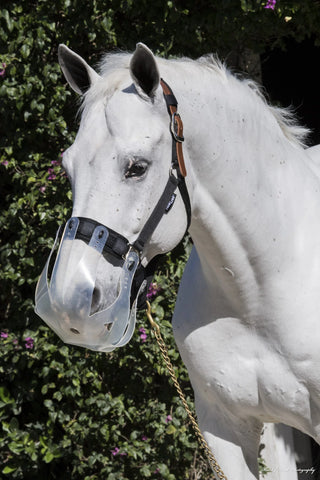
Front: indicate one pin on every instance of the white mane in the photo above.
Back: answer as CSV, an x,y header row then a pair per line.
x,y
114,69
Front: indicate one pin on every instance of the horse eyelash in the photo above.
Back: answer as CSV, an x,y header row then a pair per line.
x,y
132,163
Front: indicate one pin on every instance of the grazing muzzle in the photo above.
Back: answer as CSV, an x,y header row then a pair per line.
x,y
68,310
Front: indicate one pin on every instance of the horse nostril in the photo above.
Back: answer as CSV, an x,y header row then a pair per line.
x,y
96,298
75,331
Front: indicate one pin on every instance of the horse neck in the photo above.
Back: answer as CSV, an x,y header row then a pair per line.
x,y
239,163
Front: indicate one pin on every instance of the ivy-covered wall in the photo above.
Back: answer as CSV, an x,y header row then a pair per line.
x,y
66,412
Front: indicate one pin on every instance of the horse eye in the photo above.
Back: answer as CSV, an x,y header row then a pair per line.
x,y
136,170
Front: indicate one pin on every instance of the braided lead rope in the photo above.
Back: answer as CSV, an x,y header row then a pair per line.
x,y
203,443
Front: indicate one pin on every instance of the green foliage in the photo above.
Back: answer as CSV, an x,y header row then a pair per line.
x,y
66,412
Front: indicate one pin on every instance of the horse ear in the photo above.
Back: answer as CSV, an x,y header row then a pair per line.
x,y
144,70
77,72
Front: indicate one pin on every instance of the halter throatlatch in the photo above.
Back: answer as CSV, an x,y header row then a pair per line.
x,y
68,310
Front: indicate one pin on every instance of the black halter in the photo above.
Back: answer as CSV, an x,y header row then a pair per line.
x,y
116,244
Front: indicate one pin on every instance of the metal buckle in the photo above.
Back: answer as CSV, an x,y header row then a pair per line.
x,y
175,122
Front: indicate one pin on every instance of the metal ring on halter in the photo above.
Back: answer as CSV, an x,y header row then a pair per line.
x,y
132,249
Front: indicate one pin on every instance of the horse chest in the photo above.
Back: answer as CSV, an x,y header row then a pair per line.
x,y
233,368
232,364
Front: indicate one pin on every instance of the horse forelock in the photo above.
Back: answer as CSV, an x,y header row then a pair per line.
x,y
113,70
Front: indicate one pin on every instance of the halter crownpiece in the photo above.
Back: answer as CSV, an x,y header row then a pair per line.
x,y
69,314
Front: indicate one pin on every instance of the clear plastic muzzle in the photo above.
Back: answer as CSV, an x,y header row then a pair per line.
x,y
65,302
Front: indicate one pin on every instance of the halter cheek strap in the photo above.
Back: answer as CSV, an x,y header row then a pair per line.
x,y
177,163
176,129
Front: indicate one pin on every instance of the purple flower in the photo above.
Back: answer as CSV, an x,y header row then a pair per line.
x,y
4,335
153,290
168,419
3,69
271,4
144,438
143,335
52,175
116,451
42,189
52,171
5,163
29,343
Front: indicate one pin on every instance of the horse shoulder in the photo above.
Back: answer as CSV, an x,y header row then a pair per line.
x,y
212,341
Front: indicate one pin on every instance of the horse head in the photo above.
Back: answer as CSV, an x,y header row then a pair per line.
x,y
126,206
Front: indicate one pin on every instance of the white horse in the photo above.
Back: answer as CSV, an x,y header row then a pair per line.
x,y
246,320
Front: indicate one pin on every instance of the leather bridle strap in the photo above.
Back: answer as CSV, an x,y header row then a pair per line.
x,y
176,126
177,163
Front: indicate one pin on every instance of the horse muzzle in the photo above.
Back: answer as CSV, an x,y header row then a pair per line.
x,y
65,300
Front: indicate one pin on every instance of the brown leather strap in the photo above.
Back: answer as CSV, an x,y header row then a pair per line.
x,y
176,125
179,132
